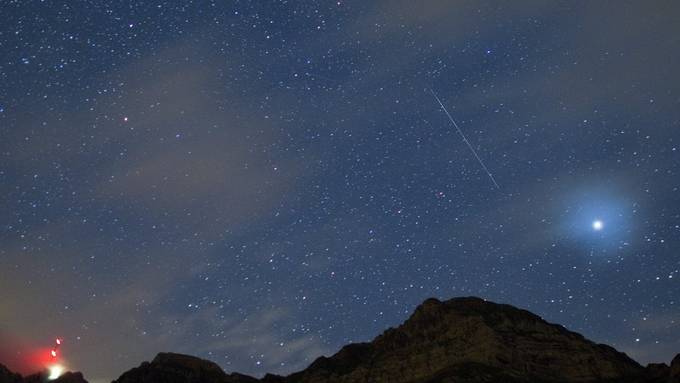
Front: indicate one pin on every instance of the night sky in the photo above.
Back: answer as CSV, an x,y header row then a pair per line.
x,y
259,183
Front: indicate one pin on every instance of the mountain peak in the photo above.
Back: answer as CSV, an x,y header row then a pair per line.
x,y
186,362
464,339
170,367
462,334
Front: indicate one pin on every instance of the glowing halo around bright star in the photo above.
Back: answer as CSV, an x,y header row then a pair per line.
x,y
598,225
595,222
55,371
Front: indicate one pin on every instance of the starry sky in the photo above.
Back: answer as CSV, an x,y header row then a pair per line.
x,y
261,182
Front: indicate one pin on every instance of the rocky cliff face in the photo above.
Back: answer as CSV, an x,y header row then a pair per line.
x,y
460,340
469,336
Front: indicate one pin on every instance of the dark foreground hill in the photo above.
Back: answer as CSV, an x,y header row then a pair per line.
x,y
460,340
7,376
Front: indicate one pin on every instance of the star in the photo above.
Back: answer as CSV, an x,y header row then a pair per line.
x,y
598,225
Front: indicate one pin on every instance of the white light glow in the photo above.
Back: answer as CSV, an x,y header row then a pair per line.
x,y
598,225
55,371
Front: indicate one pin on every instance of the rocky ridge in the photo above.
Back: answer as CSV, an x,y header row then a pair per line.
x,y
459,340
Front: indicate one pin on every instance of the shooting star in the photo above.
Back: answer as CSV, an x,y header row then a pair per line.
x,y
488,173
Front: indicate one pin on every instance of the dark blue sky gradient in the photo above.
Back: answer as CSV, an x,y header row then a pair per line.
x,y
259,183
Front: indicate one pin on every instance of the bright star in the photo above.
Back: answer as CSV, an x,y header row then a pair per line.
x,y
598,225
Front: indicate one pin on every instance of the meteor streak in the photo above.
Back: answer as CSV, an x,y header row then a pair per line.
x,y
465,140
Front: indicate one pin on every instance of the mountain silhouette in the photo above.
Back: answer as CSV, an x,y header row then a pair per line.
x,y
459,340
7,376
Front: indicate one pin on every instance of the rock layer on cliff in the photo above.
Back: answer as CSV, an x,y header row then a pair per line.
x,y
469,334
